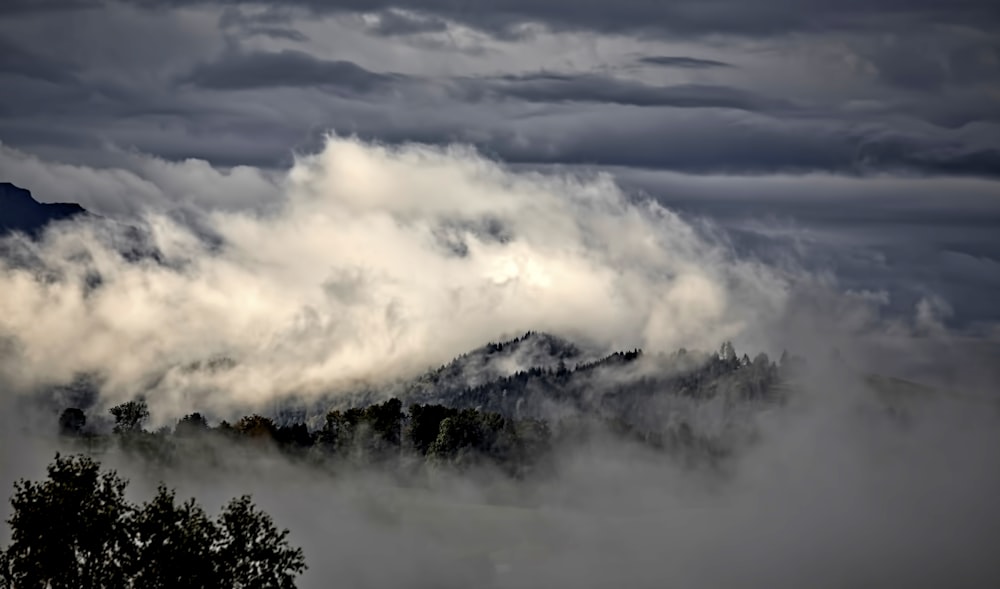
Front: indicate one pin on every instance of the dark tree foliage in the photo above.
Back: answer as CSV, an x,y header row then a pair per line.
x,y
130,416
385,420
425,422
331,436
372,433
294,437
71,531
72,421
462,433
253,552
342,430
256,427
76,530
175,545
470,437
192,424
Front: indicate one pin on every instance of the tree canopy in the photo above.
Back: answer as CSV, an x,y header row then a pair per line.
x,y
76,530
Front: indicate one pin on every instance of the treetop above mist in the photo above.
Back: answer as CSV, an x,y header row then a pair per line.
x,y
510,421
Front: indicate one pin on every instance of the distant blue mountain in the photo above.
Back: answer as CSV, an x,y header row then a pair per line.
x,y
19,212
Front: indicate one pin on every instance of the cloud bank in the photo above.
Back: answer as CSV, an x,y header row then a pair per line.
x,y
373,262
857,89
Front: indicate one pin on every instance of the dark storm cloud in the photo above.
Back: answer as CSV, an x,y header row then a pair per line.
x,y
29,6
695,140
694,17
931,62
270,16
717,141
908,237
277,33
946,161
125,79
272,22
241,71
682,61
546,87
17,60
395,23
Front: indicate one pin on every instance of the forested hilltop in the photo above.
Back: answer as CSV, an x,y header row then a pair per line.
x,y
505,405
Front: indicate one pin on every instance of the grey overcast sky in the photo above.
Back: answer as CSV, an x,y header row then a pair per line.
x,y
863,134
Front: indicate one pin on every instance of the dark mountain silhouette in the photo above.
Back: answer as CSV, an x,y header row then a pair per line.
x,y
19,212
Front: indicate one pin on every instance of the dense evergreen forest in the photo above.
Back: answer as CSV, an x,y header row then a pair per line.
x,y
470,412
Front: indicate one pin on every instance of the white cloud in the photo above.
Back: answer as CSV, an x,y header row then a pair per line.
x,y
380,261
139,183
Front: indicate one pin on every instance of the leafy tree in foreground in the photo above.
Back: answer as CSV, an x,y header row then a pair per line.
x,y
76,530
253,553
70,531
175,544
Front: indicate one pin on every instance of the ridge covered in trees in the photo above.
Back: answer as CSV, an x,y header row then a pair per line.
x,y
483,408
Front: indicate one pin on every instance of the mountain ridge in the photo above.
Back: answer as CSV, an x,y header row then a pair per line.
x,y
21,213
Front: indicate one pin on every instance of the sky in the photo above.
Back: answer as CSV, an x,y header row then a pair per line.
x,y
855,88
729,157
